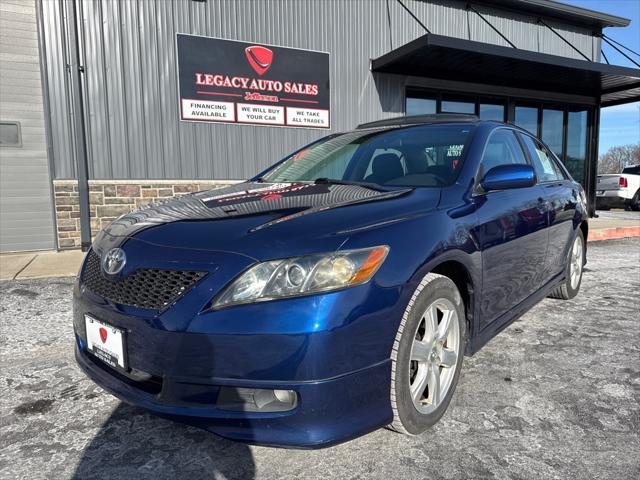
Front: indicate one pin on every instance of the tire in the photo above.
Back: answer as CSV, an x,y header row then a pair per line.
x,y
569,288
437,355
635,202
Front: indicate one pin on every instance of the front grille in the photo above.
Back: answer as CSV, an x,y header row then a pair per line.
x,y
145,288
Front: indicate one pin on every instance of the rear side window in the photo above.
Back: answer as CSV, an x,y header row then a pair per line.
x,y
543,161
502,148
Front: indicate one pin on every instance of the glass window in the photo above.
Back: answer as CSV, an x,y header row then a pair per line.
x,y
491,112
420,106
10,134
502,149
576,144
420,156
552,129
527,118
457,105
543,163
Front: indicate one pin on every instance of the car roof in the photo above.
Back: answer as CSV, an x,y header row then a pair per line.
x,y
433,119
420,120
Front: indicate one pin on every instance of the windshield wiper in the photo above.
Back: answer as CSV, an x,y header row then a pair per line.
x,y
335,181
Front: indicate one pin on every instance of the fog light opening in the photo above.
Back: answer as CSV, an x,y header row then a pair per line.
x,y
285,396
256,399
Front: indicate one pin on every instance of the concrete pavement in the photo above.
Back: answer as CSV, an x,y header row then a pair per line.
x,y
18,266
554,396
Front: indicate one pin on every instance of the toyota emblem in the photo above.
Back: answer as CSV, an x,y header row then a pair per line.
x,y
114,260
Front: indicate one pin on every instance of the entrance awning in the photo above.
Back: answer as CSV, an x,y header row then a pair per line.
x,y
448,58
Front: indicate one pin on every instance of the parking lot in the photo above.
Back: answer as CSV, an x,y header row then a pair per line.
x,y
556,395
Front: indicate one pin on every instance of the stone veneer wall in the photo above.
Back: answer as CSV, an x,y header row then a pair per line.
x,y
108,199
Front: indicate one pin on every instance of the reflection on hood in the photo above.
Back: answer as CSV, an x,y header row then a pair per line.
x,y
293,199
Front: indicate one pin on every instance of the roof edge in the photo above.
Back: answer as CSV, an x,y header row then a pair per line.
x,y
562,11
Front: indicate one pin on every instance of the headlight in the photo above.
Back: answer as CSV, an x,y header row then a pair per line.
x,y
302,276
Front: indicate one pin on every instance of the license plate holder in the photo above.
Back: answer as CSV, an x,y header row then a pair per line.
x,y
106,342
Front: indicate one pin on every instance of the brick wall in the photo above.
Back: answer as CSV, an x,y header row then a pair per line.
x,y
108,199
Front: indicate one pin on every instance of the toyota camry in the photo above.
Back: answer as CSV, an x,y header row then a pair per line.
x,y
336,292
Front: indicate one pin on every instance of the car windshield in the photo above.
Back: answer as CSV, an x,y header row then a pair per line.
x,y
418,156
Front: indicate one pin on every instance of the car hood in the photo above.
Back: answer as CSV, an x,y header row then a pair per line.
x,y
264,220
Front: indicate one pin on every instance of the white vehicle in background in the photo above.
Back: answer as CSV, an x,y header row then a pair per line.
x,y
619,190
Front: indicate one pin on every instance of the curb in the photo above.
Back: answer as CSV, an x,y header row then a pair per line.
x,y
613,233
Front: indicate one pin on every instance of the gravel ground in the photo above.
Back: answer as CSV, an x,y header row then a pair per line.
x,y
556,395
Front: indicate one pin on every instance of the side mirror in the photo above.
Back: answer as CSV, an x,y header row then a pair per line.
x,y
505,177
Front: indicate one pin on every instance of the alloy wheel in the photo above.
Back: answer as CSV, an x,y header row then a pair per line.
x,y
434,355
575,265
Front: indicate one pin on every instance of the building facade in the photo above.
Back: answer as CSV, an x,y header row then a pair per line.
x,y
535,63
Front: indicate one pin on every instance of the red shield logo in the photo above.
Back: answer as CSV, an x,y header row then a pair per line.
x,y
103,334
259,58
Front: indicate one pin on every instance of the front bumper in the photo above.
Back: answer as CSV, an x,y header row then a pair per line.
x,y
330,349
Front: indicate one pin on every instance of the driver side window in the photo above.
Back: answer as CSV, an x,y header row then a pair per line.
x,y
502,148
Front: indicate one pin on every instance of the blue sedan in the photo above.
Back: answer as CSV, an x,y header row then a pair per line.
x,y
338,291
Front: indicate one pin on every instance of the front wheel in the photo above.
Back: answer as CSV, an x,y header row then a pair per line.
x,y
634,204
427,355
570,287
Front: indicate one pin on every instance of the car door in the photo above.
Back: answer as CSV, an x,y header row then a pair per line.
x,y
561,195
511,232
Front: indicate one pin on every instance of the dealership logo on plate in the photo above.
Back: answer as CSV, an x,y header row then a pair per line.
x,y
259,58
113,262
103,334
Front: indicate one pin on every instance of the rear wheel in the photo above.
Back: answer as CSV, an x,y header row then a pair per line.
x,y
570,287
635,202
427,355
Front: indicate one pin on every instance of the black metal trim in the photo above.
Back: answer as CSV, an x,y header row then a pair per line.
x,y
619,44
470,7
564,39
621,89
413,16
597,77
75,71
605,38
435,85
569,13
593,125
621,101
380,64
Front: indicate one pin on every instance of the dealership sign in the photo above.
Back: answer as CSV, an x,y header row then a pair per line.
x,y
237,82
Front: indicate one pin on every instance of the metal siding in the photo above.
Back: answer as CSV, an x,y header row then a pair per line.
x,y
132,90
26,221
64,165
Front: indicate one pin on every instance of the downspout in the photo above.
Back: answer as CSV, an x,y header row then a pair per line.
x,y
75,69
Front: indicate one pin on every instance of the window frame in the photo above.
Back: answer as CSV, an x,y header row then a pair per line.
x,y
19,127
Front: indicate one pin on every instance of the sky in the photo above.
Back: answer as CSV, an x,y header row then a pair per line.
x,y
619,125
